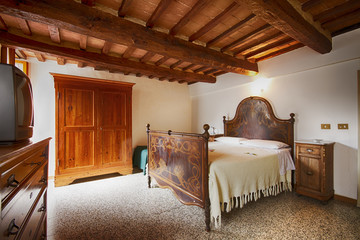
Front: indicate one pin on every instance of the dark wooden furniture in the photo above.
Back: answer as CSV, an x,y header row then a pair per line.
x,y
179,161
24,174
94,127
315,169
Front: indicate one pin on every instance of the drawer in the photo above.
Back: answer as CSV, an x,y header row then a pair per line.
x,y
309,149
17,170
16,209
32,225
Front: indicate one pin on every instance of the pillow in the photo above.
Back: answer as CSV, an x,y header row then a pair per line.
x,y
233,140
265,143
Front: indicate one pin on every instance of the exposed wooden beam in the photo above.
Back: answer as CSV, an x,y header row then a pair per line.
x,y
83,42
128,52
24,26
279,52
174,65
75,17
161,61
188,67
54,34
230,31
252,34
106,47
80,64
337,11
3,25
90,3
124,7
100,60
60,61
147,57
258,42
215,21
269,46
21,54
200,69
199,5
160,9
40,57
338,24
288,17
310,4
210,71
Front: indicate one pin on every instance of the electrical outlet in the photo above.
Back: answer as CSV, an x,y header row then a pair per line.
x,y
343,126
325,126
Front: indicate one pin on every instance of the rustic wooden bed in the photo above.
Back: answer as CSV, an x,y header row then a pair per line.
x,y
179,161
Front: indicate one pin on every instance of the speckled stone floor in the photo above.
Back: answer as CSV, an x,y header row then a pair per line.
x,y
124,208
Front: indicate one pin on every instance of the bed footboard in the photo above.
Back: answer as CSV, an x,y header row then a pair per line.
x,y
179,161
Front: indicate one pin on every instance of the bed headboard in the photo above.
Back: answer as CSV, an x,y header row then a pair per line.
x,y
255,119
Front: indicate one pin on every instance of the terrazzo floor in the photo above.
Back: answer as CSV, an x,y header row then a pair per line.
x,y
124,208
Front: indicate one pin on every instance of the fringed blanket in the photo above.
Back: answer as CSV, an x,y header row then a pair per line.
x,y
240,174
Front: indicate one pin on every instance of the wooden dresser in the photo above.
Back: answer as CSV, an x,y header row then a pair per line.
x,y
315,169
23,186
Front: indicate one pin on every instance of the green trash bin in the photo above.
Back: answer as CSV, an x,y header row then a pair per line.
x,y
140,157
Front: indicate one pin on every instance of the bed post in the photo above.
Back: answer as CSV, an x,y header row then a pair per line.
x,y
206,135
148,145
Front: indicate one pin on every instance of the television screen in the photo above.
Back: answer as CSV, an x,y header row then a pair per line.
x,y
16,105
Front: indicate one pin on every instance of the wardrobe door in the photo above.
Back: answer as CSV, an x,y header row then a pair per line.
x,y
115,128
77,129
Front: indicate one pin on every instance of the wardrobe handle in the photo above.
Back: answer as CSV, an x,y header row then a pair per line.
x,y
309,173
309,150
12,182
11,228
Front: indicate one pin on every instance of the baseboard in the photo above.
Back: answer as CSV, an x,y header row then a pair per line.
x,y
345,199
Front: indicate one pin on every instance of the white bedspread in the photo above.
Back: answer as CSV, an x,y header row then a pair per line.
x,y
239,174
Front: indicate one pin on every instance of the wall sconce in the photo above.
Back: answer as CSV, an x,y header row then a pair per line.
x,y
259,85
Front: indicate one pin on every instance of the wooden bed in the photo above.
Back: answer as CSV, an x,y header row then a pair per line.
x,y
179,161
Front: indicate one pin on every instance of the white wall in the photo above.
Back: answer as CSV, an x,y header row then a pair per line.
x,y
164,105
317,88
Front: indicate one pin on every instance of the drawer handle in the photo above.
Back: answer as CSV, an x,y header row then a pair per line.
x,y
309,150
43,179
310,173
12,182
42,208
11,228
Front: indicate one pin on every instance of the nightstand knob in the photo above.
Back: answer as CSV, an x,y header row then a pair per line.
x,y
309,150
309,173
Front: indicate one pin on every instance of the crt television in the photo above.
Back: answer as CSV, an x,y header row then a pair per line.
x,y
16,105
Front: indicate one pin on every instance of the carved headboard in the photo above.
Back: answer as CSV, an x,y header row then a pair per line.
x,y
255,119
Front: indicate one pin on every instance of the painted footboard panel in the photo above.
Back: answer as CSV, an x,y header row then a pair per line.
x,y
179,161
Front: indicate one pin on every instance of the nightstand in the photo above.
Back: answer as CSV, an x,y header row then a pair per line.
x,y
315,169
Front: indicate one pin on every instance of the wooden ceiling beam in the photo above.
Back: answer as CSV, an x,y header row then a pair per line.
x,y
160,9
252,34
174,65
21,54
344,21
215,21
90,3
337,11
128,52
279,52
54,34
75,17
24,26
147,57
83,42
60,61
40,57
269,46
310,4
199,5
106,48
124,8
97,59
288,17
161,61
3,25
189,66
230,31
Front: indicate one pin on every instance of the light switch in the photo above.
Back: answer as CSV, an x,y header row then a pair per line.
x,y
343,126
325,126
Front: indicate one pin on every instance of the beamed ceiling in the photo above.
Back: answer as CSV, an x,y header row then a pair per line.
x,y
187,41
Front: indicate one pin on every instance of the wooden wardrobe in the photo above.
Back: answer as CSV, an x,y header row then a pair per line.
x,y
93,127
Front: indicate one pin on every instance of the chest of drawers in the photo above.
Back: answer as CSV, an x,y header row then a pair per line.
x,y
23,187
314,169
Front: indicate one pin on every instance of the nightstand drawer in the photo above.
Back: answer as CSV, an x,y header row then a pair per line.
x,y
309,149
